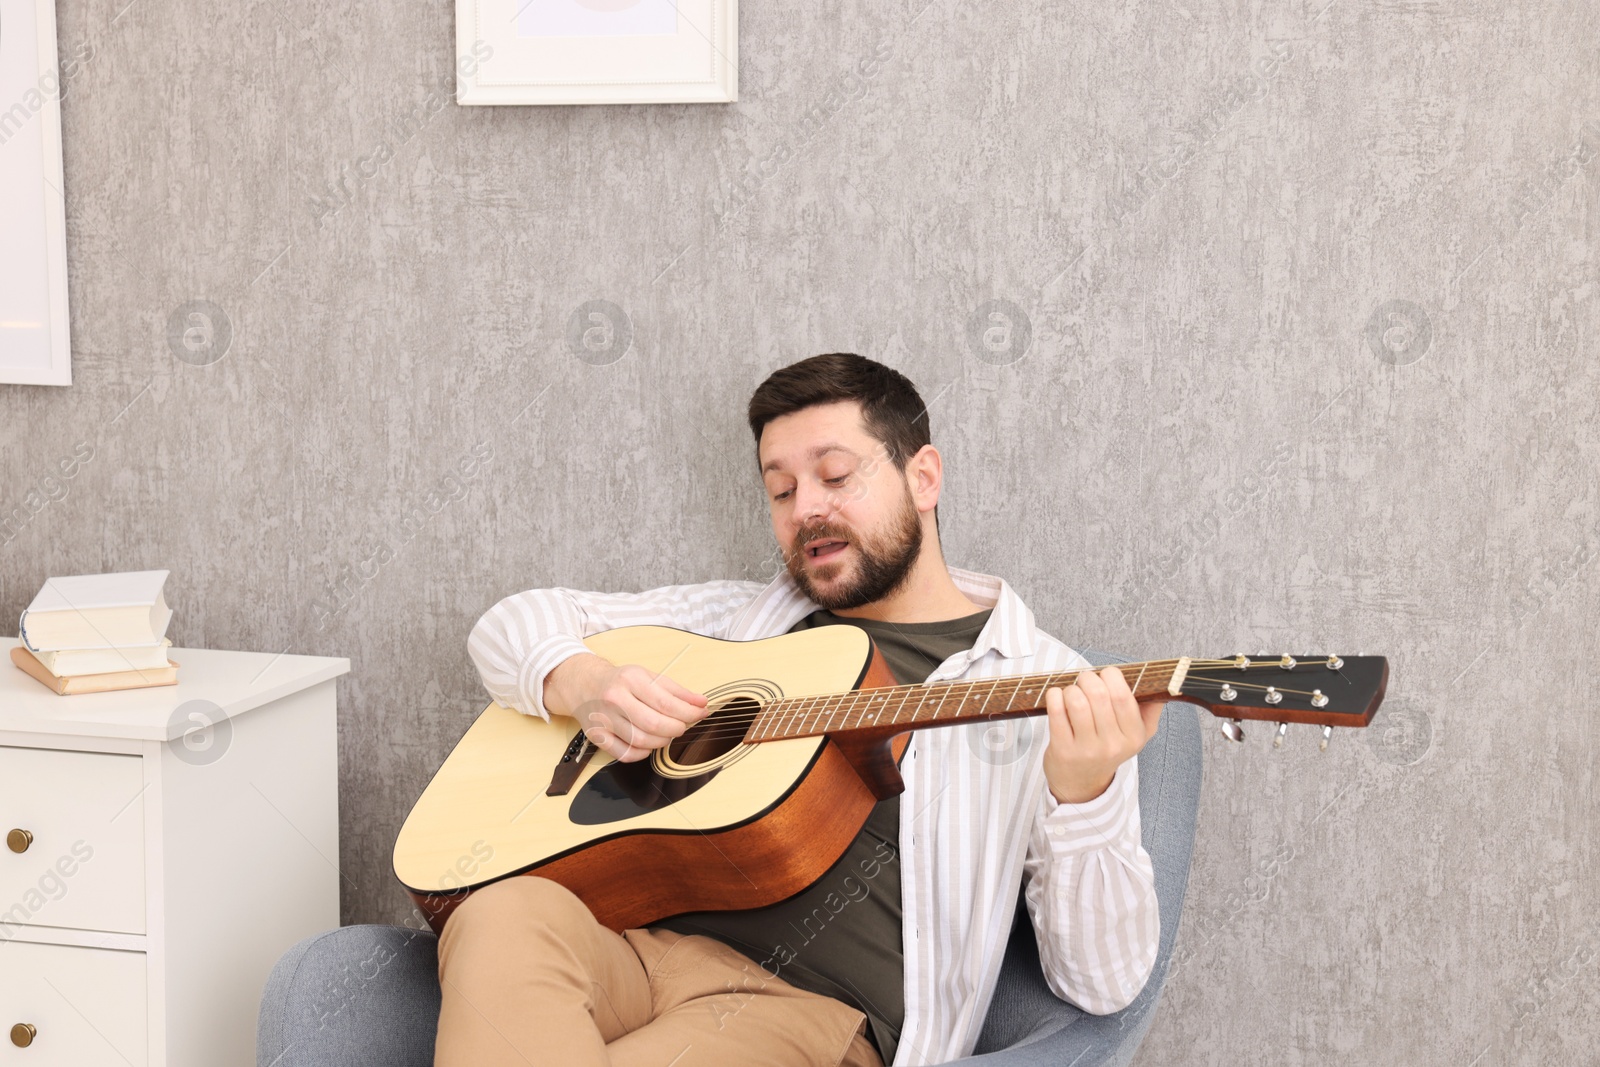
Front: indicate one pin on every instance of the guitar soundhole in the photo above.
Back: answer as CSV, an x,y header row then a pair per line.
x,y
715,735
621,791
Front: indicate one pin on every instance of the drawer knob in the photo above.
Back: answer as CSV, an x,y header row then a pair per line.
x,y
22,1034
18,841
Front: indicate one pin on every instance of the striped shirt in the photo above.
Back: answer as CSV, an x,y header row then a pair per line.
x,y
976,818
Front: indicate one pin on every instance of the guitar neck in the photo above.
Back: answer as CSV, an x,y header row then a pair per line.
x,y
944,703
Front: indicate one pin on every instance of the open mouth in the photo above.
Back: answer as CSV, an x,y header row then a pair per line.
x,y
823,550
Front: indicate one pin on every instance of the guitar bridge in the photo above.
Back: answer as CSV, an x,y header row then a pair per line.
x,y
573,761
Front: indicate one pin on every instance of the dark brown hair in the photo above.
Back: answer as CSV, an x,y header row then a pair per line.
x,y
891,409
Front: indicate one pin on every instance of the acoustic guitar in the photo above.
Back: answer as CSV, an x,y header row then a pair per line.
x,y
759,798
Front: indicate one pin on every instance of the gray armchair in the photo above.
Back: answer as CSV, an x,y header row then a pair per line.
x,y
365,996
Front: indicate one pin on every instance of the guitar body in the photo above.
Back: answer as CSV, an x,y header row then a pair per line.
x,y
707,824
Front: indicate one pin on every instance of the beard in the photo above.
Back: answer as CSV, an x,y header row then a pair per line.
x,y
884,562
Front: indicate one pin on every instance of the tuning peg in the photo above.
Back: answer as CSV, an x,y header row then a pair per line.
x,y
1228,692
1327,735
1277,739
1287,662
1232,730
1334,663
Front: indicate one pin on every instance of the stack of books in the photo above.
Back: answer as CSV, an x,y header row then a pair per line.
x,y
92,633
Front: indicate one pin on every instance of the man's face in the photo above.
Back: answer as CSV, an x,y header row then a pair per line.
x,y
842,513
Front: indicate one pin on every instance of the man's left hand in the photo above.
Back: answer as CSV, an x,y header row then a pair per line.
x,y
1095,725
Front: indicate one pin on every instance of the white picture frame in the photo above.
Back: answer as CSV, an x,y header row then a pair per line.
x,y
35,344
597,51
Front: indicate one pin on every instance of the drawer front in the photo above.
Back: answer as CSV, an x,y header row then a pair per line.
x,y
82,820
85,1005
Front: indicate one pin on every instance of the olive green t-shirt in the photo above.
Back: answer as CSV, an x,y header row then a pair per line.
x,y
841,937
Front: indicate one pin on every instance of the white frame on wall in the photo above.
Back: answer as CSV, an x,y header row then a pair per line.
x,y
699,63
35,343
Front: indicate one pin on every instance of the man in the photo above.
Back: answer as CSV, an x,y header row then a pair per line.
x,y
892,956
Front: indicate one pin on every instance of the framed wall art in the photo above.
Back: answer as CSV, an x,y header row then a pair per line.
x,y
34,344
597,51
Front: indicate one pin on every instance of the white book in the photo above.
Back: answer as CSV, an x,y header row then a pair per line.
x,y
71,662
97,611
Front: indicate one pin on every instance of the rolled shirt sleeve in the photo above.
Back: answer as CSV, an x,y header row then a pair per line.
x,y
523,637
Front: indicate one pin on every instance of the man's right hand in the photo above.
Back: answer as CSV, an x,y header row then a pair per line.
x,y
625,711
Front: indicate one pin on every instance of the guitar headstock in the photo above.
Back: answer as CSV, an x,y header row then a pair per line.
x,y
1323,690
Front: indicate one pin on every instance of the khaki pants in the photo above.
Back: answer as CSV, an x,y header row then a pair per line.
x,y
530,978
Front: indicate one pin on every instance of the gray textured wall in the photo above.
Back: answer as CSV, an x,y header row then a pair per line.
x,y
1290,354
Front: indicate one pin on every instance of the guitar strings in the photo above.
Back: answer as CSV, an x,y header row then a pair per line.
x,y
731,725
786,711
789,710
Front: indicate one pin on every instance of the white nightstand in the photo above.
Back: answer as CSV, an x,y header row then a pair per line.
x,y
174,842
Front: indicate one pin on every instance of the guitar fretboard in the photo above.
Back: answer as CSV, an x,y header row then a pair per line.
x,y
938,703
